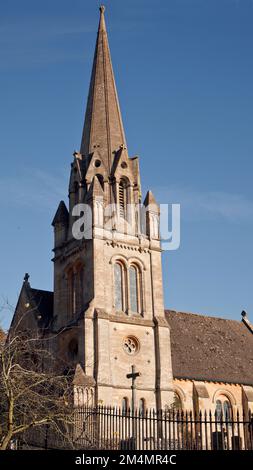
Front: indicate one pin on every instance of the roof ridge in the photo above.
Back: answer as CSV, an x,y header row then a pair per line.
x,y
167,310
41,290
210,348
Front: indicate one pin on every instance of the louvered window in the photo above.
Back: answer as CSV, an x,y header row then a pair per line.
x,y
122,198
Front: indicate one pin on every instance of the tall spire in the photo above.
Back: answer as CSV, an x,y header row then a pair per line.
x,y
103,128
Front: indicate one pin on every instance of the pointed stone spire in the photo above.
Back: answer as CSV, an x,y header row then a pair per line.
x,y
103,126
150,200
62,215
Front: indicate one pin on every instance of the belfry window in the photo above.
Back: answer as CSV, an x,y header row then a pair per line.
x,y
123,198
133,280
118,286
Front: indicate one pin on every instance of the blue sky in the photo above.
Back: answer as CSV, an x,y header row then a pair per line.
x,y
184,72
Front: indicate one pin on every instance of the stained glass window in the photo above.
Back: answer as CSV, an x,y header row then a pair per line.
x,y
118,286
133,289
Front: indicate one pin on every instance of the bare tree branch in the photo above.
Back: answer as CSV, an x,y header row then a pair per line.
x,y
34,392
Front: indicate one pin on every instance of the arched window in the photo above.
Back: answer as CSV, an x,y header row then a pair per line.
x,y
79,288
74,292
218,410
142,407
71,294
73,349
124,405
123,198
223,409
133,280
118,286
177,403
227,410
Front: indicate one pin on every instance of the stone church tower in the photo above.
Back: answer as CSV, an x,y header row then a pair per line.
x,y
106,313
108,289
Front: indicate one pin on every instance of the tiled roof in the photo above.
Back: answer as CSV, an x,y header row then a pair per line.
x,y
44,301
210,348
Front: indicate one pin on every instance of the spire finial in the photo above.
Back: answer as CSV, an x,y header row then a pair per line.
x,y
102,26
26,277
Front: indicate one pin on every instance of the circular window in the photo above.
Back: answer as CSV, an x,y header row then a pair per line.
x,y
123,165
131,345
97,163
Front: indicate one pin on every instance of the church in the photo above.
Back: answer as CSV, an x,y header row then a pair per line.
x,y
107,313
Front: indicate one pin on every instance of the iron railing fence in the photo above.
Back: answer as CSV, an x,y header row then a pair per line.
x,y
112,428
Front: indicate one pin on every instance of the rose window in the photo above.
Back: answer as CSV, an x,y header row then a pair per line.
x,y
131,345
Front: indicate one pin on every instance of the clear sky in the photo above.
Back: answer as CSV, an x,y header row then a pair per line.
x,y
184,72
